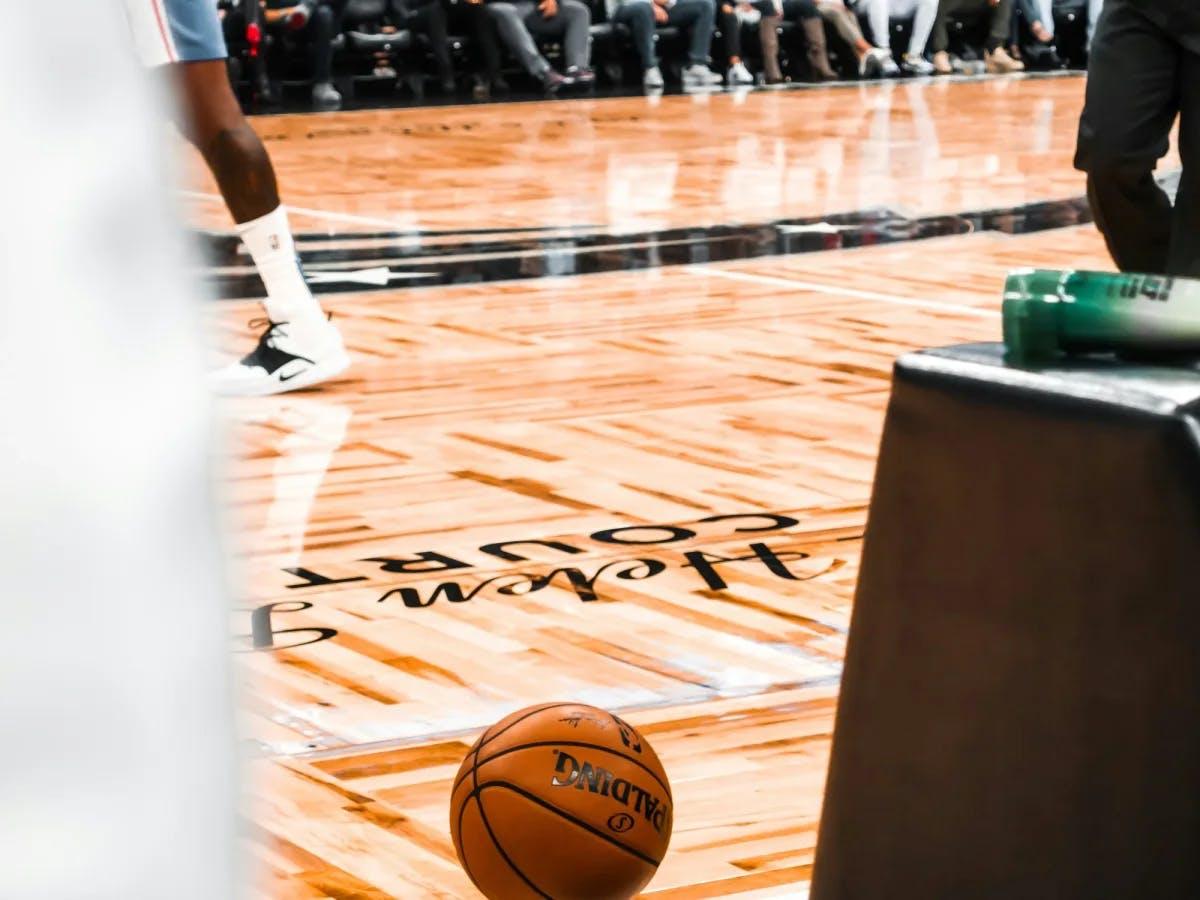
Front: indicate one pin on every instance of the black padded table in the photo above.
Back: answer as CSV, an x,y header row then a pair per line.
x,y
1020,708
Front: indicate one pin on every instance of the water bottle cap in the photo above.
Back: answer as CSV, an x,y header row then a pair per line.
x,y
1035,283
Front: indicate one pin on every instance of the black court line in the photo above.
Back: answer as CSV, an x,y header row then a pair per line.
x,y
392,261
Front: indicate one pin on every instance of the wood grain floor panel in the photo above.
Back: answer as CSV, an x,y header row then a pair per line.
x,y
646,490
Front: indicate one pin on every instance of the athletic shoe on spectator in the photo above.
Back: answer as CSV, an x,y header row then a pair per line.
x,y
739,74
325,97
876,63
916,66
698,75
580,75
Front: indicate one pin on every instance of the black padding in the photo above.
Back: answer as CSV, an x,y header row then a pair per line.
x,y
1020,708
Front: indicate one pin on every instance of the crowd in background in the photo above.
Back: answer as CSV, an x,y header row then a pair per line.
x,y
329,45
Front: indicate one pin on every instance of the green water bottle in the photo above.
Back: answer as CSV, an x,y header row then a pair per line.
x,y
1048,312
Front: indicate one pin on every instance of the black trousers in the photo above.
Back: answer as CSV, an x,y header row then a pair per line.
x,y
324,26
993,23
471,18
731,28
1143,71
430,19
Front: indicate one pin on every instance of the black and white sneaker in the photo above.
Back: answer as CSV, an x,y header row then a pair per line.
x,y
288,357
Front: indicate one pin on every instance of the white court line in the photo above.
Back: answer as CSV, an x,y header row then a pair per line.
x,y
848,292
316,213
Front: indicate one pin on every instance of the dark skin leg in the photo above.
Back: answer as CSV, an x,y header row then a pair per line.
x,y
215,125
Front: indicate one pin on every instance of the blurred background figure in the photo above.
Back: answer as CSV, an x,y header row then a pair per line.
x,y
873,61
1143,73
812,26
519,21
1037,47
922,14
117,767
695,17
989,25
761,14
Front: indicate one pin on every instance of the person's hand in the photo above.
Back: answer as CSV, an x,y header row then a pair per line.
x,y
726,8
549,8
660,14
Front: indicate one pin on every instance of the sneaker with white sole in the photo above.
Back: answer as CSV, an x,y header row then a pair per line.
x,y
652,78
887,63
877,63
916,65
739,74
288,357
698,75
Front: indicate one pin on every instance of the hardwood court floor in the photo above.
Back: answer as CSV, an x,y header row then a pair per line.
x,y
693,446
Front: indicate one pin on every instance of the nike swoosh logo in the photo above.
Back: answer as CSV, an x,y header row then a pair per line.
x,y
299,371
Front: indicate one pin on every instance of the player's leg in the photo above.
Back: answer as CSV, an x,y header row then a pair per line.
x,y
1132,99
212,120
1183,257
301,347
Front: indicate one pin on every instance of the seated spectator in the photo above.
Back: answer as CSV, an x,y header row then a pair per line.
x,y
872,61
994,16
242,24
471,17
1039,18
731,18
568,20
1039,51
809,18
880,13
429,17
695,16
318,22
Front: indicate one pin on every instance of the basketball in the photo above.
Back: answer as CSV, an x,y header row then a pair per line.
x,y
561,801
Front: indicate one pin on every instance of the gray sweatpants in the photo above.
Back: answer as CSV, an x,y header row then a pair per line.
x,y
519,21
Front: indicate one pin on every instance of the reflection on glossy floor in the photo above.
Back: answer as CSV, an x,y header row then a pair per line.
x,y
644,490
646,163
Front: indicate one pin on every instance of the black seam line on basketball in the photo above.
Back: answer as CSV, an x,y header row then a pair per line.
x,y
532,712
484,739
649,860
499,847
462,845
666,787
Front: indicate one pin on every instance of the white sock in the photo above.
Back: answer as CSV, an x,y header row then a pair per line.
x,y
269,240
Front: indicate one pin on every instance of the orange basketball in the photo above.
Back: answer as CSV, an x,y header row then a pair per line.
x,y
561,801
